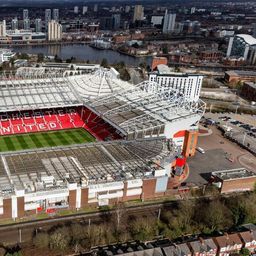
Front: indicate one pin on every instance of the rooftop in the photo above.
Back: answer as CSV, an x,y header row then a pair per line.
x,y
248,39
239,173
92,163
146,107
241,73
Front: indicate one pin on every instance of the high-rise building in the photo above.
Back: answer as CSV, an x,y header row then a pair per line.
x,y
188,84
48,17
55,14
192,10
242,46
54,31
169,22
254,30
15,24
25,14
3,28
38,24
85,9
127,8
76,9
116,21
95,8
138,13
26,24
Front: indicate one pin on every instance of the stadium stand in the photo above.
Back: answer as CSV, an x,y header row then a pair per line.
x,y
56,119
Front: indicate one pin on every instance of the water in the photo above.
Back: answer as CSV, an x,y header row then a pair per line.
x,y
82,52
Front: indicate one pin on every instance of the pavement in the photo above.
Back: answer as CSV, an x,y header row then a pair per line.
x,y
218,151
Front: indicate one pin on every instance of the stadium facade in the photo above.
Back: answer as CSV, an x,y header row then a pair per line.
x,y
144,135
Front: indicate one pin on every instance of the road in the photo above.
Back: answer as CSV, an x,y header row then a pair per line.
x,y
23,232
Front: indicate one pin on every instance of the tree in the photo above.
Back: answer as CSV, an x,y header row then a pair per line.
x,y
216,216
143,229
57,59
104,63
60,239
41,240
245,252
40,57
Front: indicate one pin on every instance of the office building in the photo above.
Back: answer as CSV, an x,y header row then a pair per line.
x,y
242,46
169,22
56,14
85,9
26,24
38,24
76,9
25,14
95,8
15,24
188,84
116,21
54,31
138,14
48,17
127,8
254,30
3,28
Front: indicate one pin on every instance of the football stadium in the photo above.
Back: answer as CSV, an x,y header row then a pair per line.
x,y
92,139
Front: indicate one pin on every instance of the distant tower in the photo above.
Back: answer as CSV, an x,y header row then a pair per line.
x,y
15,24
127,8
192,10
25,14
116,21
38,24
169,22
3,28
48,17
95,8
54,31
85,9
56,14
76,9
254,30
26,24
138,13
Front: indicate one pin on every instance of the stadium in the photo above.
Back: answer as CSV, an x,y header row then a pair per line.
x,y
92,139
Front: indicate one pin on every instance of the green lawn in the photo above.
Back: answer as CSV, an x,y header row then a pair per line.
x,y
44,139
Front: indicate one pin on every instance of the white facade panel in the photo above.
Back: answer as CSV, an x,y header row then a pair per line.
x,y
105,187
134,192
14,207
186,124
111,195
134,183
45,195
78,197
31,206
1,210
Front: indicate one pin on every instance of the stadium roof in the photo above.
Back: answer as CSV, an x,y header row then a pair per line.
x,y
100,83
26,94
36,94
92,162
145,107
248,39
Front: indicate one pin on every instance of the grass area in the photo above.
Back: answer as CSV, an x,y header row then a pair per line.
x,y
44,139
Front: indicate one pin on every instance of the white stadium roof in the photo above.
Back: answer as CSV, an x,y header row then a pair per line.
x,y
247,38
148,106
101,82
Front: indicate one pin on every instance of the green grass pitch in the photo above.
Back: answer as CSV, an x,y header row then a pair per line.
x,y
44,139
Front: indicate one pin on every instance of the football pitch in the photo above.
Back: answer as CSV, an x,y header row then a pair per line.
x,y
44,139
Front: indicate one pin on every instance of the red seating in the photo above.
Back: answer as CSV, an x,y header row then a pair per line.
x,y
56,119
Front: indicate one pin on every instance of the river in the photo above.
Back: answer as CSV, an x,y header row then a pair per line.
x,y
81,52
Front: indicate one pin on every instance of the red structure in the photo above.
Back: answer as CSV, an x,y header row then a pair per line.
x,y
56,119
